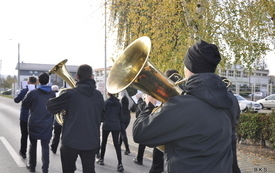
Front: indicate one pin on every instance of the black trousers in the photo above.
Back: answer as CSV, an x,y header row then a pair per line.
x,y
45,154
24,137
123,136
115,135
141,149
158,161
69,156
235,166
56,137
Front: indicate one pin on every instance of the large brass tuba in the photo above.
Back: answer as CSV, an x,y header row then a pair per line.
x,y
61,70
133,68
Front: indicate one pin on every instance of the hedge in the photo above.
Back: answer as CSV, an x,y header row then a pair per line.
x,y
258,128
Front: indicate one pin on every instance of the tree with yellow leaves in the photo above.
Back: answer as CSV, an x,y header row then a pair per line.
x,y
242,29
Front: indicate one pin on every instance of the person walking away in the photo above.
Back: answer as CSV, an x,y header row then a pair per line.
x,y
40,122
196,140
127,105
84,106
111,124
141,148
56,127
24,115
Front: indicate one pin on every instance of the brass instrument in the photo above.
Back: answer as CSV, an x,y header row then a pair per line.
x,y
61,70
133,68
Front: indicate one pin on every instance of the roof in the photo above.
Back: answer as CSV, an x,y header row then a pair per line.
x,y
43,67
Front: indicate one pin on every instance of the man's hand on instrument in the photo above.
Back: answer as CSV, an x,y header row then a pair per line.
x,y
149,98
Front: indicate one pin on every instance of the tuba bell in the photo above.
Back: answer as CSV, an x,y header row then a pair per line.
x,y
133,68
61,70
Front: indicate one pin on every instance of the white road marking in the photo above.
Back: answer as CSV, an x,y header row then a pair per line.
x,y
12,152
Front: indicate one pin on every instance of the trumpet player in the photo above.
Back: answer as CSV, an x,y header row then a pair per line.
x,y
195,127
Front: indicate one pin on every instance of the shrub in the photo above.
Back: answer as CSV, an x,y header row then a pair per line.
x,y
257,128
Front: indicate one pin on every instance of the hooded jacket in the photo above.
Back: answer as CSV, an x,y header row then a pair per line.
x,y
111,121
194,127
84,106
40,119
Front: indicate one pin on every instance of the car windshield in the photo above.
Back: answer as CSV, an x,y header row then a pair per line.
x,y
239,97
271,97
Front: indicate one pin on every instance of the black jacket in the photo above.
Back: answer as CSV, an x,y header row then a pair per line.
x,y
111,120
40,119
84,107
194,127
140,106
126,113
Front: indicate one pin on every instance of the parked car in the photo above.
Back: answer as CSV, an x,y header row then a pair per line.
x,y
257,94
246,105
7,92
267,102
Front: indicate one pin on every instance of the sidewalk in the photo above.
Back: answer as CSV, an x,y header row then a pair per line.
x,y
248,163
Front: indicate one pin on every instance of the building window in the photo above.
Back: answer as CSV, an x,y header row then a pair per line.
x,y
238,74
264,74
258,74
223,72
231,73
264,85
245,74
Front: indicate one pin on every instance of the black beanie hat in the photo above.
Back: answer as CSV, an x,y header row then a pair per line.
x,y
202,58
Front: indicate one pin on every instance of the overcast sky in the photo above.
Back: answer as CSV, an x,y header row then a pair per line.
x,y
50,31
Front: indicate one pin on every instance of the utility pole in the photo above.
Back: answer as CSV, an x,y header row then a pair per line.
x,y
105,55
18,68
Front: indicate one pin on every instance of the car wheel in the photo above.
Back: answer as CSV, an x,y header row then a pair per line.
x,y
262,106
245,110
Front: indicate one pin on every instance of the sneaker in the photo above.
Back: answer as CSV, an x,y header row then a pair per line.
x,y
98,156
31,169
100,162
127,152
137,162
24,156
120,168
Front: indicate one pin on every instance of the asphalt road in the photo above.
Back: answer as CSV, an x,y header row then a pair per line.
x,y
11,162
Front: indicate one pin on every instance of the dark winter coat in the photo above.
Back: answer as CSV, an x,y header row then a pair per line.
x,y
194,127
126,113
140,106
40,119
84,106
24,112
111,120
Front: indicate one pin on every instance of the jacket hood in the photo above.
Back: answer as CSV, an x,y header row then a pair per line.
x,y
86,87
112,101
210,88
45,88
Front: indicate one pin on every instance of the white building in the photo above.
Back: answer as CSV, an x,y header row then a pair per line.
x,y
257,80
